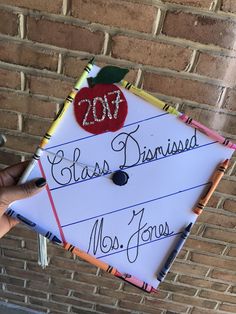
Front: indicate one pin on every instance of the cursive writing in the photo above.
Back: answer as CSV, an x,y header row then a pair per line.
x,y
144,233
76,171
100,241
133,154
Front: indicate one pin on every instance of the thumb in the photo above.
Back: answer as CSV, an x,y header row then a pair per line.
x,y
16,192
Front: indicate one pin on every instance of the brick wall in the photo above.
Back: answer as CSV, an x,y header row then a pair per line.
x,y
182,51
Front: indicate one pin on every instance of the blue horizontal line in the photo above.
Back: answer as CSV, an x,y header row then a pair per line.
x,y
140,164
87,137
133,247
138,204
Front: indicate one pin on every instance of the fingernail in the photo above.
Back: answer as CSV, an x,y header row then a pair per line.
x,y
40,182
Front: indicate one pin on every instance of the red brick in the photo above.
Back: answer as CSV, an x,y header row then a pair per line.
x,y
202,283
177,288
105,309
224,275
230,205
197,310
7,242
64,35
8,23
182,88
74,66
217,67
218,296
71,284
49,86
228,6
227,308
204,246
26,292
8,158
120,295
11,280
42,5
28,104
213,261
9,79
11,262
195,3
134,16
19,53
9,120
46,303
230,101
227,186
12,297
189,269
221,235
232,252
166,305
214,120
35,126
146,52
22,143
73,301
213,201
218,219
194,301
139,307
73,265
198,28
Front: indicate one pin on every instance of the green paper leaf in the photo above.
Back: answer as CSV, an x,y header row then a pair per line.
x,y
108,75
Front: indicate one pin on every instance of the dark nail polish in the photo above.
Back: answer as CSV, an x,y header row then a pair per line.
x,y
40,182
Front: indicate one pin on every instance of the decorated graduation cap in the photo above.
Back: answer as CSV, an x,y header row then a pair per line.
x,y
127,177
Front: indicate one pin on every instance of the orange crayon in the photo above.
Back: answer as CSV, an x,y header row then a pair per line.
x,y
89,258
217,175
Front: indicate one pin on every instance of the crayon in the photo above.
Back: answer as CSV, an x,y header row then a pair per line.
x,y
202,128
153,100
217,175
69,99
47,234
136,282
89,258
109,269
31,165
174,253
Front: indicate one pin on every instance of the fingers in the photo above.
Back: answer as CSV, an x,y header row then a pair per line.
x,y
11,175
6,223
16,192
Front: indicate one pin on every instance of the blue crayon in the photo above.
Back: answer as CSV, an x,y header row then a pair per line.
x,y
47,234
174,253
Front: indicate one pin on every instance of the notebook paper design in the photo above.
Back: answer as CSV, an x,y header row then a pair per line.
x,y
132,227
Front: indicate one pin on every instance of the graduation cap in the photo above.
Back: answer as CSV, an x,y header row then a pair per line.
x,y
125,174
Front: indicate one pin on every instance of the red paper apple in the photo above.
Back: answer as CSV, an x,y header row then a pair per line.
x,y
100,108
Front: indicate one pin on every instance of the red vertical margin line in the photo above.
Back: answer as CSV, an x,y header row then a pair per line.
x,y
52,204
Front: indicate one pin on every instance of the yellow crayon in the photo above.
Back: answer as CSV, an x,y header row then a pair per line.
x,y
153,100
69,99
217,175
89,258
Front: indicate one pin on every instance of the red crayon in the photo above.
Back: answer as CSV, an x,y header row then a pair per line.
x,y
136,282
202,128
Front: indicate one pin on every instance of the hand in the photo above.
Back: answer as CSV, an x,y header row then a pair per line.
x,y
10,191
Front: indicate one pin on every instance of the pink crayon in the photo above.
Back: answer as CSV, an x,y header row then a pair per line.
x,y
136,282
202,128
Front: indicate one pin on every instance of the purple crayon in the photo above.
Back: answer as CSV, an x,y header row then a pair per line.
x,y
136,282
202,128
